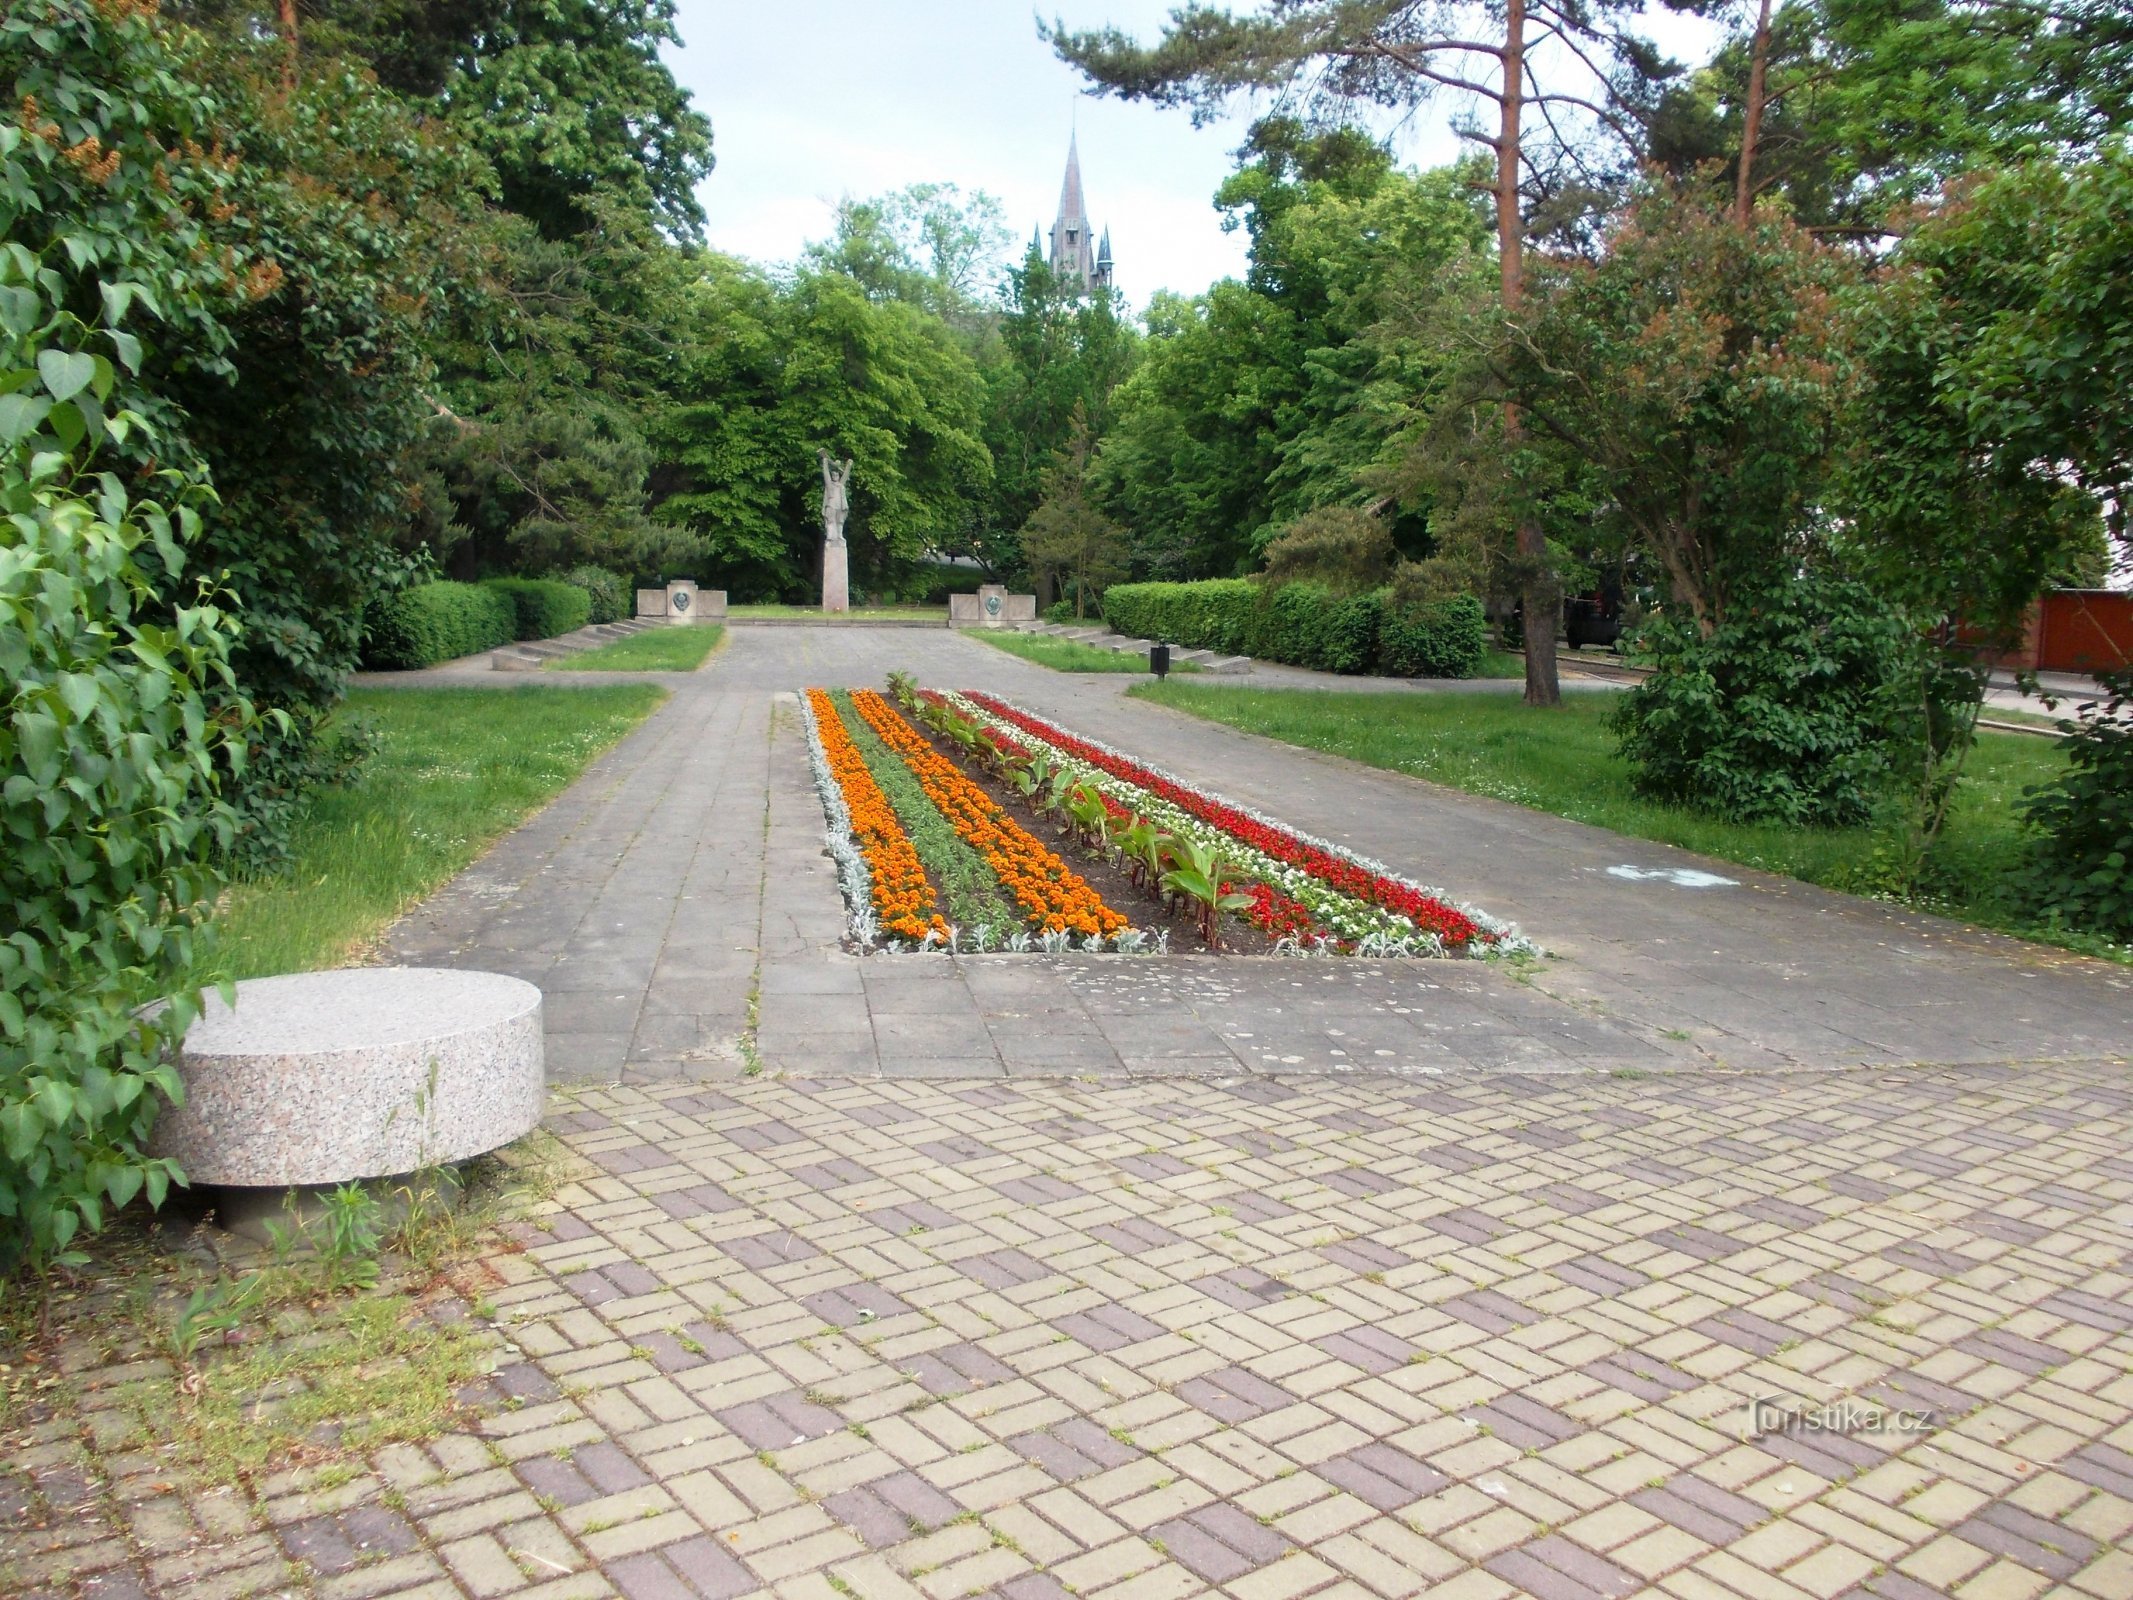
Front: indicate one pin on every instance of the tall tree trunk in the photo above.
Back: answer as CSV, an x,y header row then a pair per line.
x,y
1541,595
1752,123
289,38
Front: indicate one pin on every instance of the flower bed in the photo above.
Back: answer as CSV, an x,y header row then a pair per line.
x,y
972,899
922,814
889,883
1053,897
1312,890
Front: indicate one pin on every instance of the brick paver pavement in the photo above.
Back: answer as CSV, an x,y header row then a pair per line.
x,y
1257,1337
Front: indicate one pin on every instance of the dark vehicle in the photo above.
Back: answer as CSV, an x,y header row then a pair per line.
x,y
1594,618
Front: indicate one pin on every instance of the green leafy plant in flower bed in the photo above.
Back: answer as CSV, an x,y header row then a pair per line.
x,y
970,892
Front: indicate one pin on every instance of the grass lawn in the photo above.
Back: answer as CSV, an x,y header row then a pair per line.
x,y
1069,655
1564,762
454,770
856,614
653,650
1501,664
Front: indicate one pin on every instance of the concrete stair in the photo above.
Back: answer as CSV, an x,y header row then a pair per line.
x,y
1118,643
530,655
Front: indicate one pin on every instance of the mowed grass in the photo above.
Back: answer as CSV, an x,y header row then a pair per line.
x,y
454,770
1070,655
1564,762
662,649
856,614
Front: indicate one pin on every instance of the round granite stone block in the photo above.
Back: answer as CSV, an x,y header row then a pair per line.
x,y
326,1077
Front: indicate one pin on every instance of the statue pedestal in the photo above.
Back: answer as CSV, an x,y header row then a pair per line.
x,y
836,576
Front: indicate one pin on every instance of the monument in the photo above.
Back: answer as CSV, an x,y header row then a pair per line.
x,y
836,506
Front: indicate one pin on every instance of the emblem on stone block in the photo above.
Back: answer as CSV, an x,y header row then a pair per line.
x,y
681,600
992,605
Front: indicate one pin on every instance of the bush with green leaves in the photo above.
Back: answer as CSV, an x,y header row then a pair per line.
x,y
542,608
2082,874
1437,639
435,622
1782,712
1303,624
606,593
295,238
1212,615
110,812
1342,548
1310,625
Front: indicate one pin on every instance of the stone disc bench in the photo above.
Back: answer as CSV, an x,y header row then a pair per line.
x,y
367,1072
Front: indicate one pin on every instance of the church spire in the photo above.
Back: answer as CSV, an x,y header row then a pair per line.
x,y
1074,249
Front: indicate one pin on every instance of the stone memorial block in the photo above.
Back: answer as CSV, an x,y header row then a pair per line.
x,y
681,601
652,603
991,607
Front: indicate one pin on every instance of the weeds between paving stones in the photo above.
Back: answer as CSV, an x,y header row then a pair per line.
x,y
219,1362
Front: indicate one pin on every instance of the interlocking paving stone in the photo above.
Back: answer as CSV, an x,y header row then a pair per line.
x,y
1048,1401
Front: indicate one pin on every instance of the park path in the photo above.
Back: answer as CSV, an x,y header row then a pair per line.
x,y
1126,1279
677,909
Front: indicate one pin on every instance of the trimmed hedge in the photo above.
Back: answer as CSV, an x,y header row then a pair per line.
x,y
1445,639
1305,625
1214,615
435,622
608,593
543,607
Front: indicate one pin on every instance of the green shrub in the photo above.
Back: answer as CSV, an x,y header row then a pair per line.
x,y
109,813
930,583
1342,548
1059,611
435,622
607,595
543,607
1307,625
2082,875
1443,639
1782,714
1303,624
1212,615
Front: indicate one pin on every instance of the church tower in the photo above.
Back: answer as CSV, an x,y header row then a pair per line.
x,y
1076,253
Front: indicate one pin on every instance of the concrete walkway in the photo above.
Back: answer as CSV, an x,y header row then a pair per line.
x,y
679,891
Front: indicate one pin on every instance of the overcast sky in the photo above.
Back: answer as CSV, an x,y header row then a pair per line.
x,y
813,100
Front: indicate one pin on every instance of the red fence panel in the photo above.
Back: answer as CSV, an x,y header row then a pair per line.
x,y
2084,630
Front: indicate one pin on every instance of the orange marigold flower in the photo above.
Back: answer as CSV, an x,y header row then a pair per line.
x,y
904,901
1052,896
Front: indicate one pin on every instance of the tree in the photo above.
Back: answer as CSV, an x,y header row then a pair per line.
x,y
1059,352
1066,540
1692,377
1990,433
1193,444
926,245
569,100
776,373
1268,399
1392,52
296,245
1869,106
724,462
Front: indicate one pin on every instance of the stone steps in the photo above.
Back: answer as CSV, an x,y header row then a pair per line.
x,y
1104,639
530,655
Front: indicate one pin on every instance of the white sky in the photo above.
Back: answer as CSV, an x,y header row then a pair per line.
x,y
813,100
